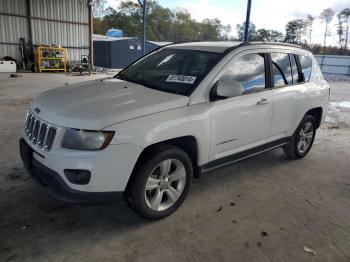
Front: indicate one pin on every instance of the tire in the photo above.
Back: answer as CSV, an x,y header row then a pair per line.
x,y
164,194
297,149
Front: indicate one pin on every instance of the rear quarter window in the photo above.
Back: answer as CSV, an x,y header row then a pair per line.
x,y
306,66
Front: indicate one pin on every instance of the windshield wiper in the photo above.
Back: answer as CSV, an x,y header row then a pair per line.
x,y
149,84
159,88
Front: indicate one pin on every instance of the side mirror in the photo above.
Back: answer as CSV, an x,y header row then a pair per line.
x,y
225,88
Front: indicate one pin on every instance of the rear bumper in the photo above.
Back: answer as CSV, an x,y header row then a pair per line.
x,y
54,185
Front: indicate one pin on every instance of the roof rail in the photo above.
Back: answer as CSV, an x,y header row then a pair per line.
x,y
269,43
184,42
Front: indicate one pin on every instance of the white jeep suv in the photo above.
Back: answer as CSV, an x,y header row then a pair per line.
x,y
179,111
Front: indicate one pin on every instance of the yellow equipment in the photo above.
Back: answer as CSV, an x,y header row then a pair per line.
x,y
51,59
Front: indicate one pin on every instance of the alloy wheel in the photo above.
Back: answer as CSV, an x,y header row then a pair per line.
x,y
165,184
305,137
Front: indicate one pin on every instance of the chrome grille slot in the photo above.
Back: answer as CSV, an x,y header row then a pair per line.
x,y
36,131
31,126
50,138
39,133
42,134
27,122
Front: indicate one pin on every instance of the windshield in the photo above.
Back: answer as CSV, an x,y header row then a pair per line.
x,y
176,71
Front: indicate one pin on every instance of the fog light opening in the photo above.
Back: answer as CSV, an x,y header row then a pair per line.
x,y
78,176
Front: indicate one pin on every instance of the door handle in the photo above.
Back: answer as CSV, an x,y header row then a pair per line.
x,y
262,101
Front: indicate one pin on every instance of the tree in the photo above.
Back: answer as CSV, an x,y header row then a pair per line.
x,y
98,7
310,20
185,28
345,13
326,17
211,29
226,30
240,28
160,22
295,29
268,35
340,30
163,24
328,50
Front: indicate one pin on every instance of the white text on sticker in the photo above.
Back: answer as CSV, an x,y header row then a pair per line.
x,y
181,79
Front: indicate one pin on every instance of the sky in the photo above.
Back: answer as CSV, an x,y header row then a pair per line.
x,y
268,14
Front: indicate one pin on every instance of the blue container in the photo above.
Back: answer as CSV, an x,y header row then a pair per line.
x,y
120,52
114,32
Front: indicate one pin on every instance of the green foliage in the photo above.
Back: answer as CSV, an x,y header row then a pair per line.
x,y
184,27
343,27
98,7
163,24
319,49
326,15
295,29
261,34
268,35
240,28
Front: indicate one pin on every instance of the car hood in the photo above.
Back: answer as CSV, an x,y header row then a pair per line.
x,y
97,104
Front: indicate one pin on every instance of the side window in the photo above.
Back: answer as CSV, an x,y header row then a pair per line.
x,y
248,71
306,64
296,78
282,70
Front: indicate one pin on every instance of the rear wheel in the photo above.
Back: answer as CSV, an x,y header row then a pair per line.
x,y
302,139
161,182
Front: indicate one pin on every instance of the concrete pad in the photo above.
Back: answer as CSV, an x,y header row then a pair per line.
x,y
266,208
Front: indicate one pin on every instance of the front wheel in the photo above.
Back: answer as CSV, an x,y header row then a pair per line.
x,y
302,139
161,183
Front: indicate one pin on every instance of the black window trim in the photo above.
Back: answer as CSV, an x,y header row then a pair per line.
x,y
280,70
268,80
300,72
291,66
190,91
268,72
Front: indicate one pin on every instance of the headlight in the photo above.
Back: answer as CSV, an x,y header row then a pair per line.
x,y
86,139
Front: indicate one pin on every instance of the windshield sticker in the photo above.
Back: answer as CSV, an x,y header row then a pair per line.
x,y
181,79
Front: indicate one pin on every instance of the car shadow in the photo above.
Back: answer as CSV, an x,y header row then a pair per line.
x,y
28,213
26,194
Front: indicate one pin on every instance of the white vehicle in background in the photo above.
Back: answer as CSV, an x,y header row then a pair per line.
x,y
178,112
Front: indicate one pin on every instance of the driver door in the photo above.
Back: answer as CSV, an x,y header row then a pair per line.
x,y
242,122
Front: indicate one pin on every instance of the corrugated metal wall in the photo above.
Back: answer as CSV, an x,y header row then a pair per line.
x,y
334,64
60,22
116,54
64,10
12,27
119,53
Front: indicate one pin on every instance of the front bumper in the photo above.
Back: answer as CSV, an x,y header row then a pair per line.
x,y
52,180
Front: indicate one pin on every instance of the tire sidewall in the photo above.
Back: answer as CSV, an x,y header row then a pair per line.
x,y
138,187
307,118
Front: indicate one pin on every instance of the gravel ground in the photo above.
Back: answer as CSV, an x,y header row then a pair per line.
x,y
266,208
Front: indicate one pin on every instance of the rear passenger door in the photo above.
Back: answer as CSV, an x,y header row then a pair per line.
x,y
290,93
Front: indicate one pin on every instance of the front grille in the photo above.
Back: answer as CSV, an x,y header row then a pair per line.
x,y
39,132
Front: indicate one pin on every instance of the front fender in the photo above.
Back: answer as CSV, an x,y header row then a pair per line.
x,y
144,131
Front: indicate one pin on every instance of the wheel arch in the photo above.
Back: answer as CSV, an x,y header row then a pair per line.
x,y
188,144
317,114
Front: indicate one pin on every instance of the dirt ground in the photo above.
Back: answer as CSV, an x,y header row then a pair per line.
x,y
266,208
